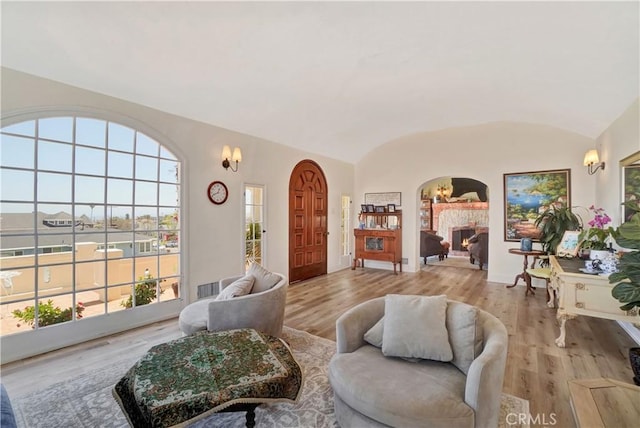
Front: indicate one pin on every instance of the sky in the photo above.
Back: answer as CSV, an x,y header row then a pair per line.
x,y
141,172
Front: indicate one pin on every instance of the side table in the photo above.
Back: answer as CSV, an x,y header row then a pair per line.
x,y
602,403
524,275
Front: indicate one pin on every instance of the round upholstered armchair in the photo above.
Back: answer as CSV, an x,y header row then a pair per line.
x,y
384,375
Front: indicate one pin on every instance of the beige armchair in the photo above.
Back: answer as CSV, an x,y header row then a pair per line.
x,y
373,390
262,310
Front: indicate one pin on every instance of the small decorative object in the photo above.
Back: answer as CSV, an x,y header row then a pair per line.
x,y
363,208
526,244
609,264
595,238
380,209
568,245
370,208
391,208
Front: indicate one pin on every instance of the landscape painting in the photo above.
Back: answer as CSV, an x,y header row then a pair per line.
x,y
528,194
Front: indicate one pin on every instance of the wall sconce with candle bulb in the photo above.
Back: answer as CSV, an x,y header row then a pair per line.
x,y
591,158
227,158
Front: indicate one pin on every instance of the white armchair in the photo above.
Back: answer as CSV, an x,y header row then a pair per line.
x,y
262,310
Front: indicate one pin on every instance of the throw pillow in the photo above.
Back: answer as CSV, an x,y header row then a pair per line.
x,y
374,335
415,327
239,287
264,279
463,334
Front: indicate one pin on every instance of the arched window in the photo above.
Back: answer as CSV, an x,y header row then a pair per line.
x,y
89,226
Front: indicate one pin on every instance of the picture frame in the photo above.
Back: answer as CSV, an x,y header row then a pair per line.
x,y
527,195
630,183
569,244
380,209
363,208
370,208
383,198
391,208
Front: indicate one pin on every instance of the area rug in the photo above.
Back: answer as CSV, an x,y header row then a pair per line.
x,y
452,261
87,400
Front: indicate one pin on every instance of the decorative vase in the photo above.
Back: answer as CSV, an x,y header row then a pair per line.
x,y
598,254
526,244
634,359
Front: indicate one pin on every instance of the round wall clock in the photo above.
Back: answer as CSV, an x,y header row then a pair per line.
x,y
217,192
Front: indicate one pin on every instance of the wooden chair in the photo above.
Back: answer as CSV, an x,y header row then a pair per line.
x,y
543,272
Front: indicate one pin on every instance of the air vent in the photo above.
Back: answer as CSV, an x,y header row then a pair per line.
x,y
208,290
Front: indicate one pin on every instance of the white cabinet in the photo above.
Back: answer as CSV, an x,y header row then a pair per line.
x,y
584,294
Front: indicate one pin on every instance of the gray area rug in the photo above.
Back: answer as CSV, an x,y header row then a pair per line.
x,y
87,400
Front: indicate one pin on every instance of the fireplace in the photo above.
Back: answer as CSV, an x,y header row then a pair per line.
x,y
459,236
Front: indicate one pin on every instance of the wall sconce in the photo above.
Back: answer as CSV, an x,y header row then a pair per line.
x,y
590,159
226,155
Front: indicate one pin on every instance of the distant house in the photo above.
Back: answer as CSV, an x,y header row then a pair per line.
x,y
58,232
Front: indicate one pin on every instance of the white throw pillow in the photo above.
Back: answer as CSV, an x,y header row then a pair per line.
x,y
264,279
374,335
415,327
464,334
239,287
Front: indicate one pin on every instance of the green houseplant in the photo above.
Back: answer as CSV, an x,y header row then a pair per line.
x,y
48,314
627,235
145,292
553,223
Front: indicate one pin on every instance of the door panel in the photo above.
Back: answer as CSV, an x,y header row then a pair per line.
x,y
307,222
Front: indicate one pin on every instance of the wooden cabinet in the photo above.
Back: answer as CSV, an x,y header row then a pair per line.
x,y
380,239
426,216
583,294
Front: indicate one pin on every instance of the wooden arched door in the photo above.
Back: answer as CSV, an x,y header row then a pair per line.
x,y
307,221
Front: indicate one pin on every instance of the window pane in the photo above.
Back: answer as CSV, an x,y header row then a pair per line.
x,y
90,275
56,128
120,138
16,219
168,171
16,151
91,132
164,153
146,193
27,128
89,161
54,279
120,165
54,156
89,189
146,145
169,194
120,217
120,245
170,288
90,246
89,213
16,185
54,187
119,191
146,168
169,265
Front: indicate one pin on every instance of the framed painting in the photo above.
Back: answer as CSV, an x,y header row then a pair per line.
x,y
630,182
527,195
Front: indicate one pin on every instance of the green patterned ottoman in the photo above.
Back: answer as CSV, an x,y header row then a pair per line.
x,y
190,378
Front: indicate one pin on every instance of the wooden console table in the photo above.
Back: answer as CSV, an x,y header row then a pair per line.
x,y
584,294
602,403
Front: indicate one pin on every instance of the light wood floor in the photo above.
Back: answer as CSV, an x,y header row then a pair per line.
x,y
536,369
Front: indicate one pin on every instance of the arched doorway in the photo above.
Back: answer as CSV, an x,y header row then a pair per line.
x,y
454,208
307,221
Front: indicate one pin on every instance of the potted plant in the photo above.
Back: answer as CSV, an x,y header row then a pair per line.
x,y
627,289
595,237
553,223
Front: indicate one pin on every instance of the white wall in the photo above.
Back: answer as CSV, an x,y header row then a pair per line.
x,y
213,234
483,152
619,140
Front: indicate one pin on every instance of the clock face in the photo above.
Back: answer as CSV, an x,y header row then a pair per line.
x,y
217,192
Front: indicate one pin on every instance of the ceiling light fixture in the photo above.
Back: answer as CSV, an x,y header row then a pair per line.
x,y
226,155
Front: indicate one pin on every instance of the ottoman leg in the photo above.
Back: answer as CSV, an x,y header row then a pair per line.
x,y
251,415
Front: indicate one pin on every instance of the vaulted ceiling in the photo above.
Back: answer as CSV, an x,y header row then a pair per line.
x,y
340,79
